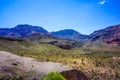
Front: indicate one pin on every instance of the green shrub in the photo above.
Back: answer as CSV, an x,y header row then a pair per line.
x,y
54,76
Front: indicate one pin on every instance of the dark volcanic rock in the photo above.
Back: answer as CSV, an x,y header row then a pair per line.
x,y
109,35
74,75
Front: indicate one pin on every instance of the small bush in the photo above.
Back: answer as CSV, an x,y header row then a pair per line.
x,y
54,76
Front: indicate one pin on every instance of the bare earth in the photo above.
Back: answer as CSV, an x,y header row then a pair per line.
x,y
29,64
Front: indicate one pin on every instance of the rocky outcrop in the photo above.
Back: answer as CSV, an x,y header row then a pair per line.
x,y
11,64
74,75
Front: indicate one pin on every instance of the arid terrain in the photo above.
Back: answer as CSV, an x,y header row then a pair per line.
x,y
36,53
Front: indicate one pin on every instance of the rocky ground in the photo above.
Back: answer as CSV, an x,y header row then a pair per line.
x,y
14,65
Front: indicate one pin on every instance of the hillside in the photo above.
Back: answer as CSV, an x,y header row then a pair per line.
x,y
94,64
53,40
109,35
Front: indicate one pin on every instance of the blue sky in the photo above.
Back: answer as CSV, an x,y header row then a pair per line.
x,y
84,16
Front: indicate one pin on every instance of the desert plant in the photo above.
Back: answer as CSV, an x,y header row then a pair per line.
x,y
54,76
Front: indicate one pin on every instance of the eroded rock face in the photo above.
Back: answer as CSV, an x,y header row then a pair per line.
x,y
74,75
109,35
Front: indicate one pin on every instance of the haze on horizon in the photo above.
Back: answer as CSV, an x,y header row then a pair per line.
x,y
84,16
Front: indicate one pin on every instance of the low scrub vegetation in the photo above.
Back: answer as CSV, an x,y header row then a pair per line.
x,y
96,64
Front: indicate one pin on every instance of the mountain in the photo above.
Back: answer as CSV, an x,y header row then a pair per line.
x,y
109,35
22,31
70,34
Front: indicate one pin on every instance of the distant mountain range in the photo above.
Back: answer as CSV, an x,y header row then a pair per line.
x,y
109,35
25,30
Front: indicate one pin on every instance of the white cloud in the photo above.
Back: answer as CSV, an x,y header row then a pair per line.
x,y
102,2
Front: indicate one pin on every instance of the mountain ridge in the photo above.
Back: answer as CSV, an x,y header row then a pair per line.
x,y
109,35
